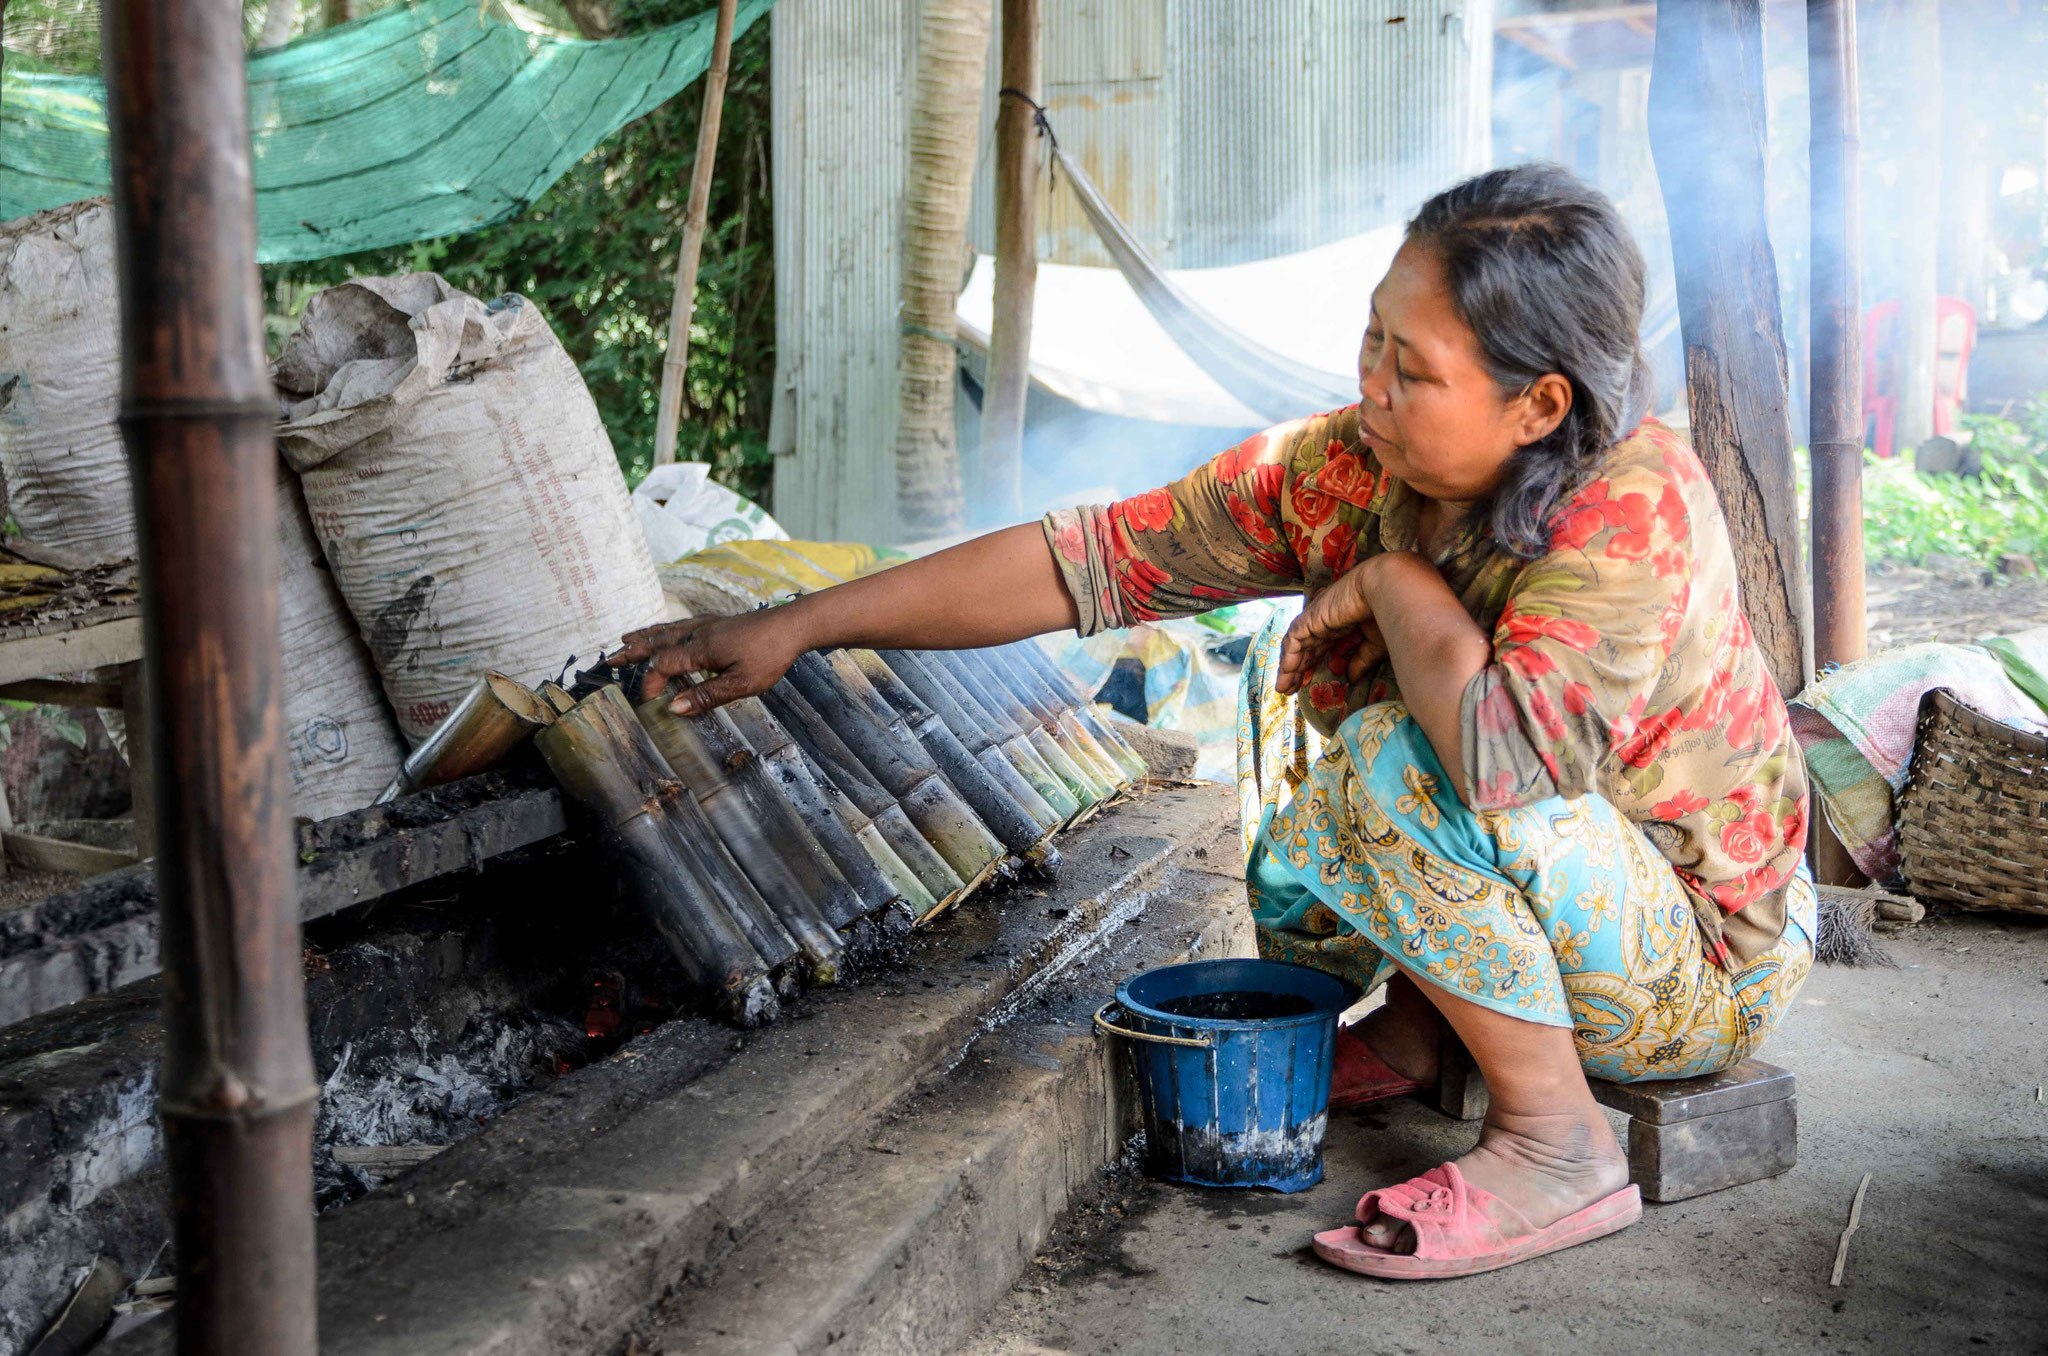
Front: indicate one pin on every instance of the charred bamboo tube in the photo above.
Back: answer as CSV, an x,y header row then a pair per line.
x,y
910,670
822,745
892,754
1057,719
607,763
1017,815
991,692
848,836
780,859
1119,748
1009,744
493,718
557,696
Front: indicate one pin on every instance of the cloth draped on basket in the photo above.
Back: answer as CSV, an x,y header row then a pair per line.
x,y
1857,727
1562,912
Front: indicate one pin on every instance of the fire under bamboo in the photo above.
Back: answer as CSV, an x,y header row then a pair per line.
x,y
848,836
492,720
822,745
608,764
786,869
895,758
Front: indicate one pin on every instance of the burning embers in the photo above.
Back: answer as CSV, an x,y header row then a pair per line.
x,y
769,840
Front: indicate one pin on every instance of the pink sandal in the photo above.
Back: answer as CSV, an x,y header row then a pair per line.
x,y
1462,1230
1358,1077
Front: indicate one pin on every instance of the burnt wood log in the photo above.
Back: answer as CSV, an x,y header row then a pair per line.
x,y
1707,135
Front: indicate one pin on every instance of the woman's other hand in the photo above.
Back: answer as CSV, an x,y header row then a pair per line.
x,y
746,654
1341,613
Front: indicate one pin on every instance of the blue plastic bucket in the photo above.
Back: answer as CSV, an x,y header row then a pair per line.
x,y
1239,1098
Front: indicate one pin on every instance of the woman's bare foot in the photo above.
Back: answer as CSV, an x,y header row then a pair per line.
x,y
1546,1167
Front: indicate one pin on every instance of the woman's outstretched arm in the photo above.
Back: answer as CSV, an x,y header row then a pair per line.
x,y
988,591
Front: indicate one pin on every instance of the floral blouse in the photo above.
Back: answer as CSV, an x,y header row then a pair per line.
x,y
1622,663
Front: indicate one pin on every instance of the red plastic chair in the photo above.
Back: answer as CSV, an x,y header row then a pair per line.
x,y
1955,328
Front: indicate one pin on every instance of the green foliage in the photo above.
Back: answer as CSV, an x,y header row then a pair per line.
x,y
1908,516
598,254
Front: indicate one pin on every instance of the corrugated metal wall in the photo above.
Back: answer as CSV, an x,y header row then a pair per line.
x,y
1222,130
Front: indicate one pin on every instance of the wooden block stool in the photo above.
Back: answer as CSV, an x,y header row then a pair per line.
x,y
1694,1135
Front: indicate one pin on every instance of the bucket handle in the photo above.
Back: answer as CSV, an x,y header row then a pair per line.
x,y
1109,1028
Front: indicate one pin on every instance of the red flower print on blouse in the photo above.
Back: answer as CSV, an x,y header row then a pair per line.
x,y
1745,709
1793,829
1340,548
1327,695
1577,526
1228,466
1527,660
1311,505
1641,748
1545,713
1151,511
1265,484
1578,698
1633,514
1668,563
1671,511
1679,806
1249,519
1073,546
1344,476
1747,839
1520,628
1141,580
1499,789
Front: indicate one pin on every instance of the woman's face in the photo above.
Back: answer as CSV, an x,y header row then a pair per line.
x,y
1432,413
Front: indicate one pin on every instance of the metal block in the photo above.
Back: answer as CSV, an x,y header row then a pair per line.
x,y
1661,1103
1672,1161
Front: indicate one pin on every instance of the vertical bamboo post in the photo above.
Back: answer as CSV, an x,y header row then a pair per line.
x,y
237,1090
1836,439
675,358
1009,345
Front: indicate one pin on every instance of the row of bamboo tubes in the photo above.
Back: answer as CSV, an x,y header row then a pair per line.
x,y
770,840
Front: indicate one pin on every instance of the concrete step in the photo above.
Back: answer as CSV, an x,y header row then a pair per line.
x,y
903,1242
558,1227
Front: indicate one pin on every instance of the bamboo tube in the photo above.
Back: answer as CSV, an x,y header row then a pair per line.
x,y
848,836
821,743
909,669
1009,743
991,692
557,696
607,763
1107,734
1058,720
900,763
784,869
1019,816
493,718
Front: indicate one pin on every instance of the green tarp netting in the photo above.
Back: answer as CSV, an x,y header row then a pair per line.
x,y
421,120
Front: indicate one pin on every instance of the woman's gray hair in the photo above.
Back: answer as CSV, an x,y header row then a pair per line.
x,y
1542,268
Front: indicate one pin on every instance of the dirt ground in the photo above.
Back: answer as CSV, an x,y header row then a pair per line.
x,y
1928,1077
1958,604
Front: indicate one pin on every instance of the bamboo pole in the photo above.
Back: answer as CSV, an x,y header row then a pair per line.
x,y
1020,820
994,697
607,763
675,358
237,1092
1058,703
1057,682
823,746
780,859
998,680
493,718
557,696
907,669
1009,741
849,837
881,740
1839,624
1016,282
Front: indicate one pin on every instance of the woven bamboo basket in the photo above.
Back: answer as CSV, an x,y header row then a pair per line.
x,y
1973,819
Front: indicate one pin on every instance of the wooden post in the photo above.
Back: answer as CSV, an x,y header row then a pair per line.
x,y
1836,404
237,1090
1707,134
1914,48
675,359
1009,344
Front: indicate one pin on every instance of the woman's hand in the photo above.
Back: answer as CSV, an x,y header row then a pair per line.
x,y
747,653
1340,614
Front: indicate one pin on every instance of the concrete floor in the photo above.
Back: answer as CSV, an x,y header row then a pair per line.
x,y
1927,1077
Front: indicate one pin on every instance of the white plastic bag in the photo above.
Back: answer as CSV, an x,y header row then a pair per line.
x,y
681,509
